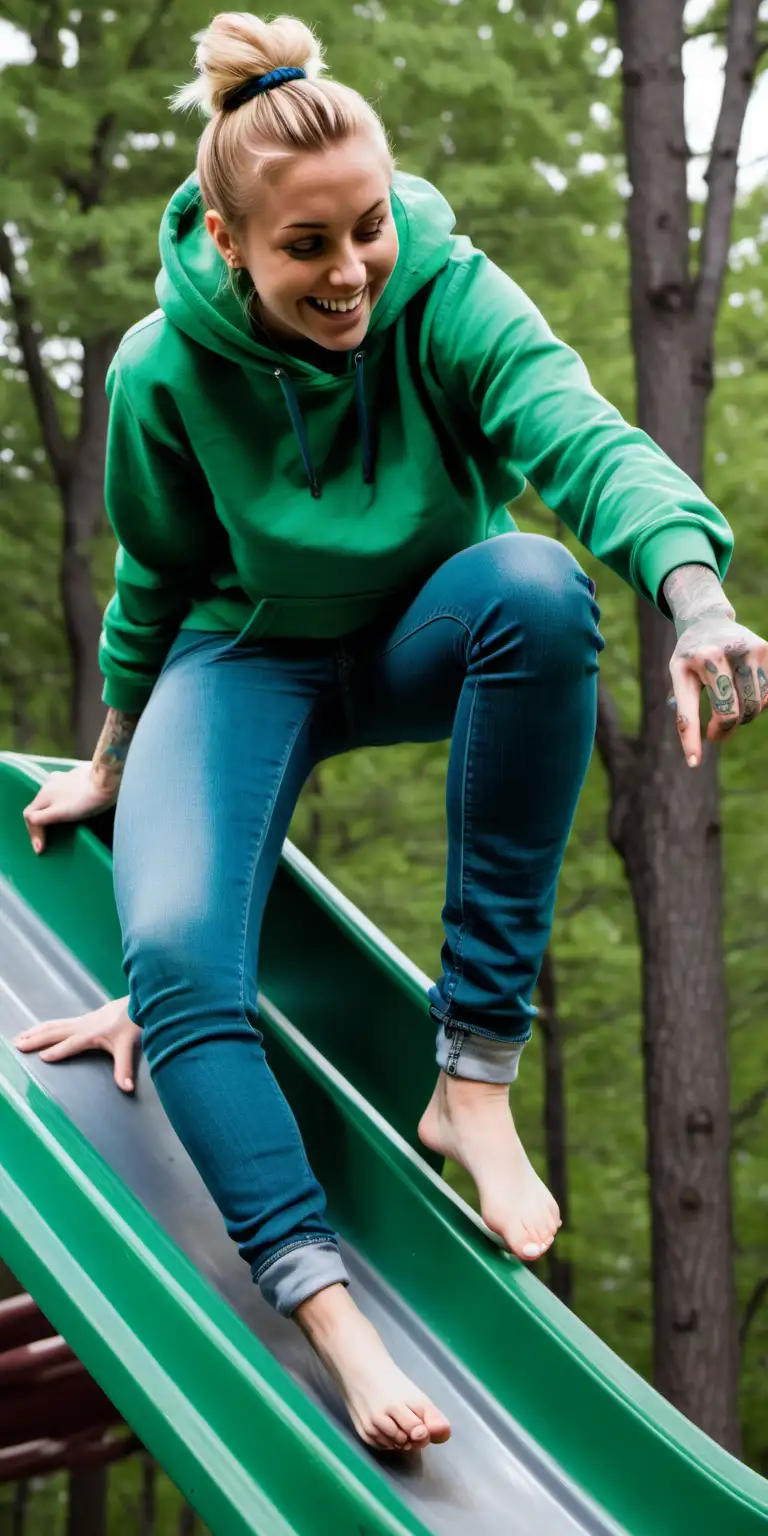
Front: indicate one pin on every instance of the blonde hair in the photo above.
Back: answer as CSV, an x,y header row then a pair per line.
x,y
238,146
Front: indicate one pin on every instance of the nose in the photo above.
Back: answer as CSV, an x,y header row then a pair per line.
x,y
349,270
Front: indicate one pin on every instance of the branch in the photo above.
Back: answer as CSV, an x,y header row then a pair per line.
x,y
57,446
743,51
617,753
756,1299
89,188
749,1108
144,48
44,35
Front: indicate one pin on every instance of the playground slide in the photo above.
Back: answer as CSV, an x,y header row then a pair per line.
x,y
105,1221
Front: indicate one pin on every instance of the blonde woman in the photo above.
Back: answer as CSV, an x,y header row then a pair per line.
x,y
312,443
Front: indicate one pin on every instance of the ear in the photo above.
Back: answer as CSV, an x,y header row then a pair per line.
x,y
222,239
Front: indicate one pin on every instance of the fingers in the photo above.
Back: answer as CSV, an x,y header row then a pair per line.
x,y
72,1046
717,677
747,687
737,689
42,1035
123,1050
687,688
33,813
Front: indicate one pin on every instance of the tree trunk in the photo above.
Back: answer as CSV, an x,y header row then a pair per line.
x,y
559,1270
9,1285
87,1506
148,1497
665,819
83,501
19,1508
187,1521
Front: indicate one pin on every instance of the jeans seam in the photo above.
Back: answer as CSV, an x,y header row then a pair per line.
x,y
282,1253
263,835
429,618
459,1026
260,841
458,963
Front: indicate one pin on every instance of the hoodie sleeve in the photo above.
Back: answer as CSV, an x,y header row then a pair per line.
x,y
615,489
159,506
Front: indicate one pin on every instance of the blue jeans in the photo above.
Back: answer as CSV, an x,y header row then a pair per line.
x,y
498,650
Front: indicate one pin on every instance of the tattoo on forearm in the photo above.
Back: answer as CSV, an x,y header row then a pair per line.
x,y
762,683
112,748
693,590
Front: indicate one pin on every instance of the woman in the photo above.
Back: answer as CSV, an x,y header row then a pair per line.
x,y
307,472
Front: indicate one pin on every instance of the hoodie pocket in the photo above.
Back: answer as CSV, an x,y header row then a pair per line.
x,y
315,618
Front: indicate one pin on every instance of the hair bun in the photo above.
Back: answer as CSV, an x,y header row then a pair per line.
x,y
236,46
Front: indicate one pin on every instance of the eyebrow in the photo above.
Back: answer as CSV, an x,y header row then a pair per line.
x,y
308,224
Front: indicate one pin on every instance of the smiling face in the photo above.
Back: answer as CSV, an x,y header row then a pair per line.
x,y
322,245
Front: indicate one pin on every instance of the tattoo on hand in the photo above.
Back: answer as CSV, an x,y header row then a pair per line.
x,y
721,697
747,692
762,683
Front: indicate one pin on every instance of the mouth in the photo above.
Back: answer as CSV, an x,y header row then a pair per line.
x,y
340,311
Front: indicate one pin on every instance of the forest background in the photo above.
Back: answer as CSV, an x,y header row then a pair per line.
x,y
514,111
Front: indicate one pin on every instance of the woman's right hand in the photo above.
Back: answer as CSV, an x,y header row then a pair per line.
x,y
105,1029
71,796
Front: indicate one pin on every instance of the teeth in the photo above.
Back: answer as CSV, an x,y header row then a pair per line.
x,y
340,306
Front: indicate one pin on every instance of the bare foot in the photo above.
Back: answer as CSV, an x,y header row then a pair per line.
x,y
472,1124
387,1410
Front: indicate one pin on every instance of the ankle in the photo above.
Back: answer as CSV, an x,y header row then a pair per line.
x,y
469,1093
322,1314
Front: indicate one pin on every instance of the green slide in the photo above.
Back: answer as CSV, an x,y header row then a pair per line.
x,y
105,1221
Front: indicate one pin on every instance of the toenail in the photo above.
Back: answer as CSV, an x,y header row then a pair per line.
x,y
532,1250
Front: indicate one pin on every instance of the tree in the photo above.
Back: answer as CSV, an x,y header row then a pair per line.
x,y
81,195
664,821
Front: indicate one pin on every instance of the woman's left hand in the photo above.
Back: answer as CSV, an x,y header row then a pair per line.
x,y
731,662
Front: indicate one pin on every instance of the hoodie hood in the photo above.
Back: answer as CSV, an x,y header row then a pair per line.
x,y
194,291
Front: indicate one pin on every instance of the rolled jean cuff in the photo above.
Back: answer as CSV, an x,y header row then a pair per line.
x,y
299,1271
463,1054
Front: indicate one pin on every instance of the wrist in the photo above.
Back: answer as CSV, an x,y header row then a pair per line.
x,y
693,592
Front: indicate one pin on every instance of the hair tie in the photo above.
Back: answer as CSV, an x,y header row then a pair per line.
x,y
260,83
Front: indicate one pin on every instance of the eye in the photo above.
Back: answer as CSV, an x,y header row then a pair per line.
x,y
371,232
305,248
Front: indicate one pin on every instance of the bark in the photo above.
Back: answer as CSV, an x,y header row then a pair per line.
x,y
77,469
76,463
560,1270
87,1504
665,819
19,1508
9,1285
83,502
148,1501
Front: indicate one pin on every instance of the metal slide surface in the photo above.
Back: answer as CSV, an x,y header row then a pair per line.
x,y
554,1461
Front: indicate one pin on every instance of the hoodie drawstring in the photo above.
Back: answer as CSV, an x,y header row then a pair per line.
x,y
299,425
297,422
362,419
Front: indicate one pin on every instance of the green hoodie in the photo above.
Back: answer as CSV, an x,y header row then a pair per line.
x,y
301,495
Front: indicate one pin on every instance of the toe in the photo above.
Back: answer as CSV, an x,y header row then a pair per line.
x,y
388,1430
410,1422
436,1423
